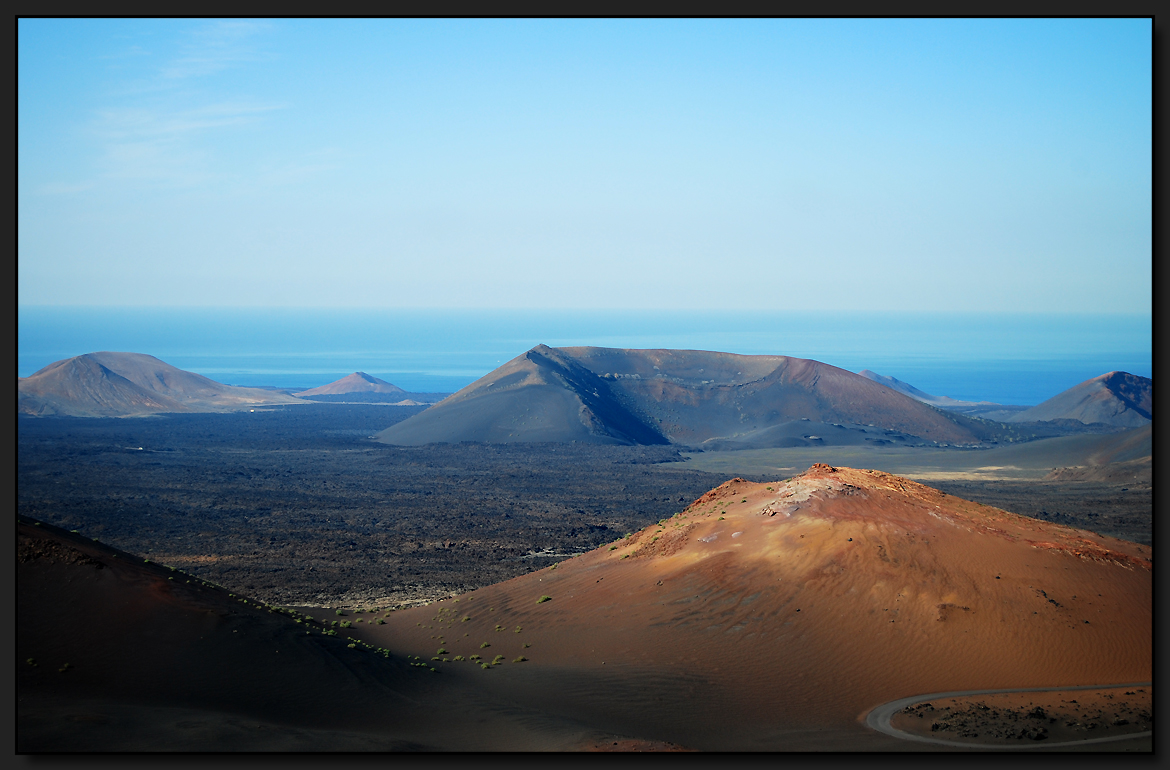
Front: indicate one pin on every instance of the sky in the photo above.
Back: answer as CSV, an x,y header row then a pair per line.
x,y
943,165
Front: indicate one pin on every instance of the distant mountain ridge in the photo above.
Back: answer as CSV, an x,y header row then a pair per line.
x,y
358,382
687,397
944,402
108,384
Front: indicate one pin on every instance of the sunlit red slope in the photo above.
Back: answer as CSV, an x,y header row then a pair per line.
x,y
765,615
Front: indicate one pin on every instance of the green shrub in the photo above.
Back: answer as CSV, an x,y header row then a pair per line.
x,y
518,629
497,660
613,548
459,657
526,644
543,599
339,612
441,651
520,659
485,644
484,665
346,624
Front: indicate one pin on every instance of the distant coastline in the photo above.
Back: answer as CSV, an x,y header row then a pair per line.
x,y
1006,358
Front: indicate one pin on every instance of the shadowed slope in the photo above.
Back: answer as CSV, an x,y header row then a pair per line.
x,y
681,396
542,395
1116,398
774,616
117,654
125,384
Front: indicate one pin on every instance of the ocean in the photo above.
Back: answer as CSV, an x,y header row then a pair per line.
x,y
1005,358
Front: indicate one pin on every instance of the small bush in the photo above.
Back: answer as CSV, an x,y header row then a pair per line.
x,y
526,644
518,629
339,612
543,599
484,665
613,548
466,618
441,651
520,659
346,624
485,644
459,658
497,660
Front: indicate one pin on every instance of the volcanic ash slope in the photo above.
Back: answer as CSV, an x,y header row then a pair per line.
x,y
688,397
765,615
1115,398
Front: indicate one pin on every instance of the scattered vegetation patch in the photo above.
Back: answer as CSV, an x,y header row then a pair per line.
x,y
543,599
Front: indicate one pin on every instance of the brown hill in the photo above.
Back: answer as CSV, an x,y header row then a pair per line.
x,y
1117,398
689,397
126,384
358,382
1125,457
775,616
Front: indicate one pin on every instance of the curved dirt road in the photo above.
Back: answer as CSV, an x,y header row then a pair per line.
x,y
879,718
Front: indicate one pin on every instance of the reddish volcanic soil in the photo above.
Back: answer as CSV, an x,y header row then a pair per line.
x,y
776,616
762,617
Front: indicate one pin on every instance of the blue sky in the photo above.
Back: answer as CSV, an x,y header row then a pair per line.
x,y
941,165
